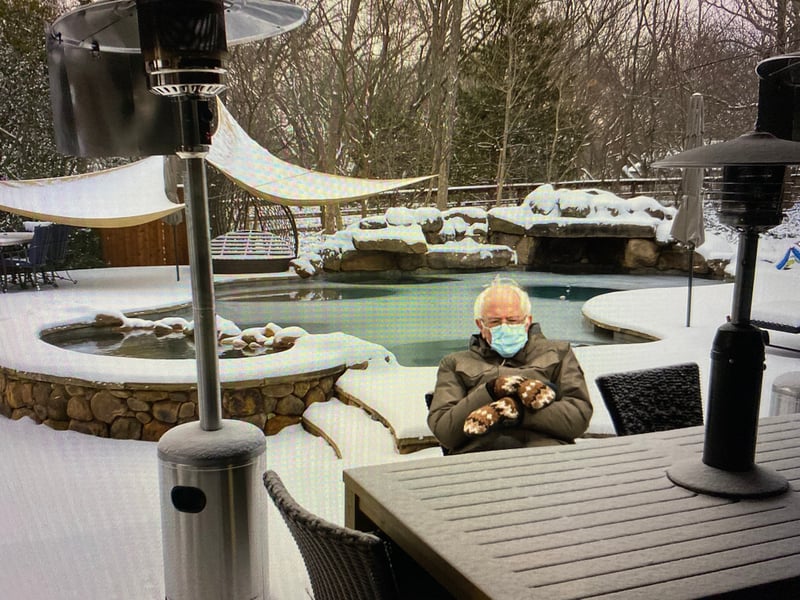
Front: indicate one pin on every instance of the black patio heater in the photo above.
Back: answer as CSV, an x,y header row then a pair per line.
x,y
750,199
213,526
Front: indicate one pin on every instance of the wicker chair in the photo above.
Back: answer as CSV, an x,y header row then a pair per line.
x,y
653,399
341,562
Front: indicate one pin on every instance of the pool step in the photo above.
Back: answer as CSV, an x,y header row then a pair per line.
x,y
348,429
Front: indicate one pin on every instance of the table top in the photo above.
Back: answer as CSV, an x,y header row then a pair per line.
x,y
595,519
14,238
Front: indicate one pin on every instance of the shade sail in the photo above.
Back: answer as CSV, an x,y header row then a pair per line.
x,y
135,193
252,167
120,197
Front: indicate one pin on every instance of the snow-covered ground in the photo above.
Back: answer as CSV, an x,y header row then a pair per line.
x,y
80,515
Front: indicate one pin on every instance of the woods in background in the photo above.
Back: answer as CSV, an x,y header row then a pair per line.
x,y
477,91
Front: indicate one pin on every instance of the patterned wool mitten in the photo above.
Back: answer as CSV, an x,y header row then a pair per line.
x,y
504,386
535,394
498,412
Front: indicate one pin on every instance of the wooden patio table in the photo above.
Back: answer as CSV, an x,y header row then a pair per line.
x,y
599,519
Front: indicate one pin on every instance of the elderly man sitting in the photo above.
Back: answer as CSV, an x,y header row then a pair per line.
x,y
513,387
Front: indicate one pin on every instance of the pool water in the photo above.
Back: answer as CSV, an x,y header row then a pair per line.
x,y
418,318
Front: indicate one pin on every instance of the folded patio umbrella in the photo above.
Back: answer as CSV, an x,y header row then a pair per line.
x,y
688,226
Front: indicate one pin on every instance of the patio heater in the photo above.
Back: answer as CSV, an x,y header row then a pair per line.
x,y
213,528
750,199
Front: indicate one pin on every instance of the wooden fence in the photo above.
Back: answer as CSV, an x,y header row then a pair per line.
x,y
153,243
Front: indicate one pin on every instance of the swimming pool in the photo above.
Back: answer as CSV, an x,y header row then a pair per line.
x,y
419,318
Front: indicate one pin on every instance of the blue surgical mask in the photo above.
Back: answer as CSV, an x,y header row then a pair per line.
x,y
507,339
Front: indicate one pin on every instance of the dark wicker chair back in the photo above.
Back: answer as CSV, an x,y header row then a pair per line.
x,y
341,562
656,399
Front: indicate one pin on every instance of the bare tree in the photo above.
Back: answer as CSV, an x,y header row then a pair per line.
x,y
771,25
439,78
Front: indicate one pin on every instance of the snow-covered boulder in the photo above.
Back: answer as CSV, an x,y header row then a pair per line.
x,y
469,214
468,254
575,204
651,207
307,265
405,239
377,222
543,201
400,216
429,218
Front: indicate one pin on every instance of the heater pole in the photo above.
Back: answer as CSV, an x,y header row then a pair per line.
x,y
745,276
737,365
202,277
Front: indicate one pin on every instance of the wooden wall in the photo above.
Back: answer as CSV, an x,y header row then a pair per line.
x,y
144,245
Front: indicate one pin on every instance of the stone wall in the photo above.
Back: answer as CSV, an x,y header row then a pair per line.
x,y
610,254
146,412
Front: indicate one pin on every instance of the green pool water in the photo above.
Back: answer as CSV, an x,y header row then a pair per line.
x,y
418,318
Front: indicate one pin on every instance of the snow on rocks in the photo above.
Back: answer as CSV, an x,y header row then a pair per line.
x,y
400,215
407,239
307,265
543,201
429,218
551,226
253,340
469,254
546,202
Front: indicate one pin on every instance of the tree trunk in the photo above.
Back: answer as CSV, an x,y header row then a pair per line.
x,y
333,214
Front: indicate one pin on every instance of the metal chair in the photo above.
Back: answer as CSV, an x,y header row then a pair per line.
x,y
655,399
28,264
341,562
57,254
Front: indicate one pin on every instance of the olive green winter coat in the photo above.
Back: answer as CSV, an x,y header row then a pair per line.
x,y
461,388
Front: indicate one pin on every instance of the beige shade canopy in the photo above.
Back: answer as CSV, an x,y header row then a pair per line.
x,y
252,167
120,197
135,193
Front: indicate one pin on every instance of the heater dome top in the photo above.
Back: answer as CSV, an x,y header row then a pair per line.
x,y
112,25
753,148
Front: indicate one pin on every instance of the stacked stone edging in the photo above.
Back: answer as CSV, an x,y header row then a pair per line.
x,y
147,411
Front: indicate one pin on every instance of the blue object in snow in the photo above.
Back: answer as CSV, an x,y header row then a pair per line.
x,y
792,255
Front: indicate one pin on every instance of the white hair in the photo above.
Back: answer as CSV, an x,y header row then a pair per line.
x,y
502,283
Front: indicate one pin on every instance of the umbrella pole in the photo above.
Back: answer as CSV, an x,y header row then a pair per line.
x,y
175,252
689,287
